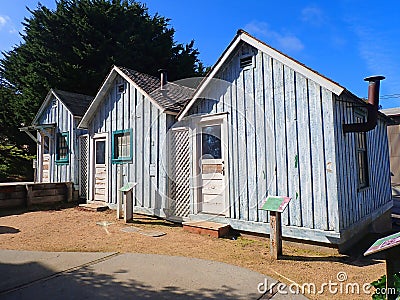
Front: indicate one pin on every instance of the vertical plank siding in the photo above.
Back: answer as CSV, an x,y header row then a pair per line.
x,y
65,122
354,204
281,141
132,110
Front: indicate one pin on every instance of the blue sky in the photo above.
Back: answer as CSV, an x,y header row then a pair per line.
x,y
345,40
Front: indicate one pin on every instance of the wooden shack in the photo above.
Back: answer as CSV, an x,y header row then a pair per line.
x,y
262,123
394,146
60,144
128,122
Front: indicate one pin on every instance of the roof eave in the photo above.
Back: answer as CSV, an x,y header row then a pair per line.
x,y
84,123
292,63
42,107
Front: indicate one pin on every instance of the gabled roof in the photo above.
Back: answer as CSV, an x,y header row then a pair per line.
x,y
77,104
243,36
170,99
391,112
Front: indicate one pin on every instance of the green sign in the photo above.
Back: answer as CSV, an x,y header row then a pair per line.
x,y
128,186
384,244
276,203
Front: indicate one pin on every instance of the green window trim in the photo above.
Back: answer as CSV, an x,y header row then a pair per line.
x,y
116,157
62,149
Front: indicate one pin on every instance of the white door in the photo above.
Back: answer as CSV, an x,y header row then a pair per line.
x,y
212,168
100,169
46,159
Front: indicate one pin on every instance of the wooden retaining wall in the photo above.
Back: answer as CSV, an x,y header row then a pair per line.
x,y
17,195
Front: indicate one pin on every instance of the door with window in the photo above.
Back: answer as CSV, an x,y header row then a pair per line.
x,y
100,169
45,176
212,167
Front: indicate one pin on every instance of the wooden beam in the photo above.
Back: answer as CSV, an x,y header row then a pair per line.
x,y
392,267
26,130
276,234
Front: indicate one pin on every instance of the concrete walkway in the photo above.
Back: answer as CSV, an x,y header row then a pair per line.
x,y
61,275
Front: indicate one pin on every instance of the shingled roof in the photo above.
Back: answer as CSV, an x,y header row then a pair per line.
x,y
171,97
77,104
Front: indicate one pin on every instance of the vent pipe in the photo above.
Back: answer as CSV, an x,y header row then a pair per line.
x,y
372,107
163,78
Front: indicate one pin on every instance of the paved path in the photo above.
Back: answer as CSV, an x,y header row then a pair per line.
x,y
56,275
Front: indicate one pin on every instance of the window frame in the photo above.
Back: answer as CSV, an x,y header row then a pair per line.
x,y
62,161
363,150
122,159
244,57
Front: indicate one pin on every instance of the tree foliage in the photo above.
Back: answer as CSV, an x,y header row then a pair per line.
x,y
74,46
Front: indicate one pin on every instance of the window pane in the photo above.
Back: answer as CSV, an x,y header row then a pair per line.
x,y
122,142
46,143
211,142
100,152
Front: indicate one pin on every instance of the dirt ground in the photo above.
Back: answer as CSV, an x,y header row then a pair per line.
x,y
73,229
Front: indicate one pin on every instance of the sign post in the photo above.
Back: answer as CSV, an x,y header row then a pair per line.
x,y
127,204
390,246
275,205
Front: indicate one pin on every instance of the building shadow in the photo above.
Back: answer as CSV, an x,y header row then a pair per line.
x,y
35,281
7,229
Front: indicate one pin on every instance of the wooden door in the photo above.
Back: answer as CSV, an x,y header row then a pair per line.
x,y
46,161
212,168
100,169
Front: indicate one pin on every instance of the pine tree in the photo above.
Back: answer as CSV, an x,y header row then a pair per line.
x,y
74,46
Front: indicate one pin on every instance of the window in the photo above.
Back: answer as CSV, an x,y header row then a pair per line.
x,y
100,152
46,145
62,155
54,103
211,142
121,88
246,62
122,146
361,155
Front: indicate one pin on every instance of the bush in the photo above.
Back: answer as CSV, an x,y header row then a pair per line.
x,y
380,285
15,164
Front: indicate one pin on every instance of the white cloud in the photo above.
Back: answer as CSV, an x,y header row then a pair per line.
x,y
313,15
284,41
3,21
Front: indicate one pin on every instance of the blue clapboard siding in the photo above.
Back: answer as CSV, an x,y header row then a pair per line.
x,y
281,141
132,110
64,122
355,205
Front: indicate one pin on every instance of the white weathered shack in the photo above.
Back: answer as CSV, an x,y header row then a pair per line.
x,y
58,148
128,123
394,149
262,123
259,124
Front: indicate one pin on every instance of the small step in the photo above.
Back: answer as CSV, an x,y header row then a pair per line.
x,y
205,227
94,206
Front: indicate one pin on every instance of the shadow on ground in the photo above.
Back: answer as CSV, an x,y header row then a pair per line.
x,y
7,229
42,283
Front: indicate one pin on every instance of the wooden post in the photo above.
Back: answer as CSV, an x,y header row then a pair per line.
x,y
275,205
392,267
29,195
119,193
128,206
70,191
128,191
275,234
390,246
